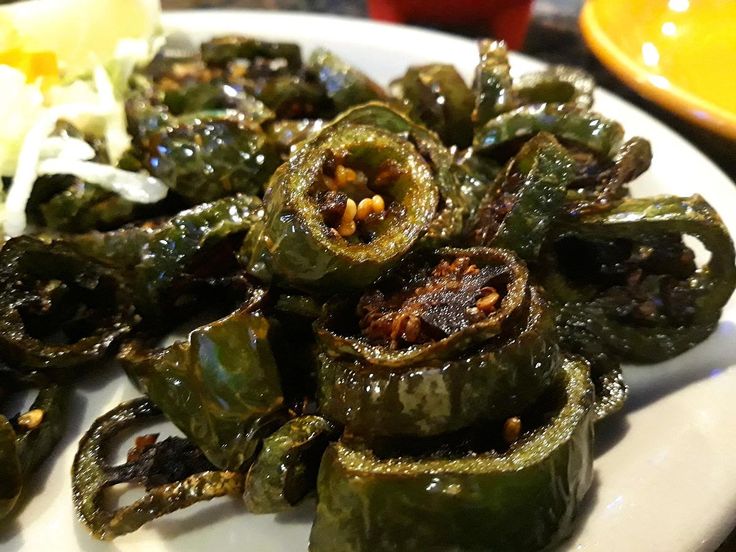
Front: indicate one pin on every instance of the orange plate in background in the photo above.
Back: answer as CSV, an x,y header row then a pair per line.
x,y
678,53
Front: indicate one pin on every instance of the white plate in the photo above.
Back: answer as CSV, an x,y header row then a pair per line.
x,y
665,474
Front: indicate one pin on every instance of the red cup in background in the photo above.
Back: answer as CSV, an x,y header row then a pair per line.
x,y
504,19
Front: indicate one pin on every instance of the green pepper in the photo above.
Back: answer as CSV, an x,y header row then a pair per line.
x,y
193,479
51,291
599,186
221,50
344,85
566,122
219,386
455,205
11,478
521,498
635,286
215,96
294,97
527,197
207,159
199,242
286,468
40,429
496,380
437,96
492,85
69,204
302,242
558,84
286,134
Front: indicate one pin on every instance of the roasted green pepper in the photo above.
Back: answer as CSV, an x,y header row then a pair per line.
x,y
181,478
221,50
455,204
492,86
286,468
51,290
599,134
426,358
164,258
526,198
437,96
558,84
207,159
294,97
310,238
344,85
634,284
11,477
217,96
286,134
522,498
219,387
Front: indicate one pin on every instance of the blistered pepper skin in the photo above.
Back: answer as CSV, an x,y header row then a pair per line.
x,y
499,380
11,478
297,248
218,386
523,499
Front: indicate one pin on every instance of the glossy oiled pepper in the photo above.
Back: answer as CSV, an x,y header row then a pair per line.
x,y
297,246
163,258
219,51
487,370
344,85
294,97
286,468
217,96
492,86
456,203
557,84
35,434
206,159
526,198
219,387
522,498
640,293
49,290
437,96
11,477
189,481
592,130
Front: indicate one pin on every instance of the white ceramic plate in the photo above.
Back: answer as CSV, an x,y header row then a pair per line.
x,y
665,473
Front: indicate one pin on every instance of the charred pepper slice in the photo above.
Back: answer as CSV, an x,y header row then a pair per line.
x,y
527,197
221,50
207,159
344,84
522,498
558,84
219,386
594,131
314,235
171,484
492,86
437,96
50,290
200,242
637,288
11,477
286,468
455,204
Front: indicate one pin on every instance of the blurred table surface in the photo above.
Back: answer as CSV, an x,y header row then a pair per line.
x,y
553,37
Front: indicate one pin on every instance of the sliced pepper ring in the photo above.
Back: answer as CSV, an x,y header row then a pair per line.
x,y
286,468
51,289
220,386
647,217
524,498
559,84
297,245
91,475
498,380
340,340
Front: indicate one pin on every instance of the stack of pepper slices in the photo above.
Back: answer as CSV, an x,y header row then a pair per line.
x,y
421,297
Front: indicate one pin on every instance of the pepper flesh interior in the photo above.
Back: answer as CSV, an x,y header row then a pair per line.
x,y
439,301
354,193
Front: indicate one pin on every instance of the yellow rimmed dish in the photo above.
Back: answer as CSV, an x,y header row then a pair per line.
x,y
680,54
